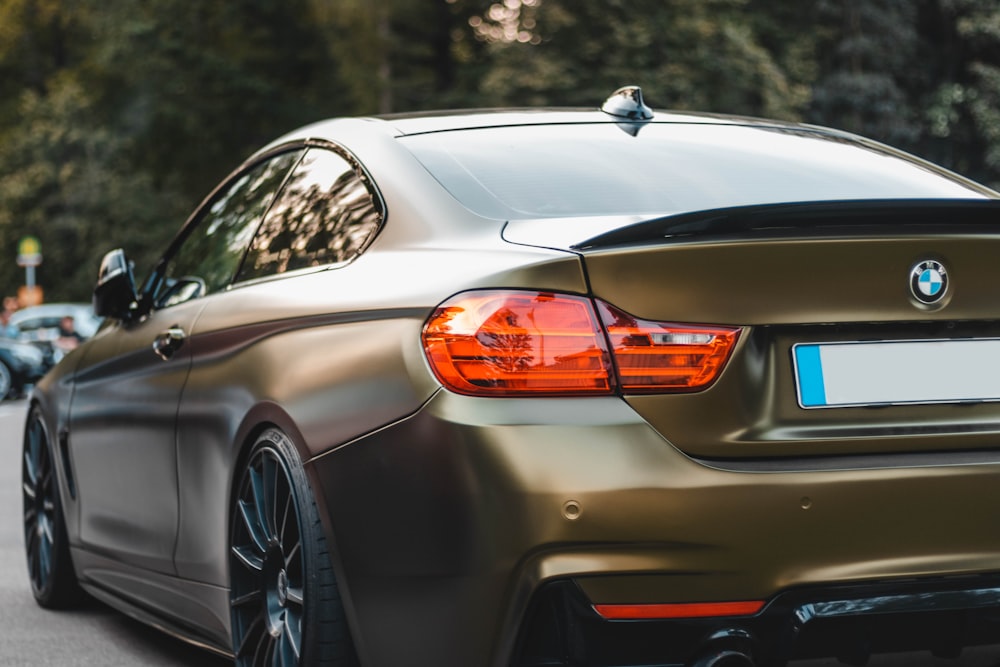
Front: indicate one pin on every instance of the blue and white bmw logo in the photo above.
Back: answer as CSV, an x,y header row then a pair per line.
x,y
928,281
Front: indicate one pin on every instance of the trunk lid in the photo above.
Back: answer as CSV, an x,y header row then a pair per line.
x,y
813,276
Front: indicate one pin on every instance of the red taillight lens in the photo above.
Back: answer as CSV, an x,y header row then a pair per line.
x,y
654,357
512,343
507,343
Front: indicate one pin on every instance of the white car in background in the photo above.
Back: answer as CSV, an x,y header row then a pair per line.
x,y
39,325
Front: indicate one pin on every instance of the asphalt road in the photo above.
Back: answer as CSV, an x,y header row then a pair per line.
x,y
97,635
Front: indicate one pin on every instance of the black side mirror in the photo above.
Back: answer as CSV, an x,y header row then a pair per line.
x,y
115,293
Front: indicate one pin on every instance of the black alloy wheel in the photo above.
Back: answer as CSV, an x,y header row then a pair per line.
x,y
282,585
46,545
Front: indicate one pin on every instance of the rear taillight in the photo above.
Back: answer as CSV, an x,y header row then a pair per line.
x,y
516,343
654,357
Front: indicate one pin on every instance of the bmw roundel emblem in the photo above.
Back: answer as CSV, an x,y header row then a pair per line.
x,y
928,281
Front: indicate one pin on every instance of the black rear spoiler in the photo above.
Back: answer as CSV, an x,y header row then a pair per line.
x,y
875,217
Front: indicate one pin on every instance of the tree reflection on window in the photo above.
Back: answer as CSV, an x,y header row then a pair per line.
x,y
325,214
212,252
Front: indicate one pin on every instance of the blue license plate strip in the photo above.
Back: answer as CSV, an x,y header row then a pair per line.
x,y
832,375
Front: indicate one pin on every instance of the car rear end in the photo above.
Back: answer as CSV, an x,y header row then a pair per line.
x,y
764,428
833,492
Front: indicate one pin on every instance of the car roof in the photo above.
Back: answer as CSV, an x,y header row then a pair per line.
x,y
47,315
465,119
405,124
52,310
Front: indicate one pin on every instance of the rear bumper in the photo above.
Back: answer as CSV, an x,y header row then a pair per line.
x,y
941,616
449,526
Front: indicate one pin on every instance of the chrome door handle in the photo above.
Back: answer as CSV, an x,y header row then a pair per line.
x,y
169,342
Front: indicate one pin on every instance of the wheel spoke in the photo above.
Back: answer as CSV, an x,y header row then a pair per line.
x,y
252,524
257,487
269,473
269,651
296,596
293,628
44,559
287,513
29,467
29,490
252,597
252,637
289,646
291,560
31,545
46,525
250,560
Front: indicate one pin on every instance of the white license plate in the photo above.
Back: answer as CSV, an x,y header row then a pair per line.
x,y
830,375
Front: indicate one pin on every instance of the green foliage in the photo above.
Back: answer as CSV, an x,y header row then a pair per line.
x,y
687,54
117,118
961,119
68,183
402,55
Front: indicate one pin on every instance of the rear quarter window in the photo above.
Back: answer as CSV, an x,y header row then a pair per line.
x,y
326,213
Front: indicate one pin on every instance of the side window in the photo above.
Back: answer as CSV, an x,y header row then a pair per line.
x,y
326,213
208,258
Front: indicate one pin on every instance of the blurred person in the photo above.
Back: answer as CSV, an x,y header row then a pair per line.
x,y
69,338
9,306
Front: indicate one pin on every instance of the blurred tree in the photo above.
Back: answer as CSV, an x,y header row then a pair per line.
x,y
400,55
923,76
866,80
198,87
687,54
121,116
37,40
789,32
961,105
68,182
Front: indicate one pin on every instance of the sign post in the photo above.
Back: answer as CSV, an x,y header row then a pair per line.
x,y
29,255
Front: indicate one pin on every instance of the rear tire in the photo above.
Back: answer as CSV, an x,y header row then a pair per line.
x,y
285,604
46,545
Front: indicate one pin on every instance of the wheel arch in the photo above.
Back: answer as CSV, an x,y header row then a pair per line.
x,y
257,420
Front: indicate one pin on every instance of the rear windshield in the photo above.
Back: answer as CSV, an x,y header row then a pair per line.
x,y
542,171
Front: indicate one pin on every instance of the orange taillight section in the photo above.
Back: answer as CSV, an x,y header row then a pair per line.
x,y
634,612
655,357
515,343
509,343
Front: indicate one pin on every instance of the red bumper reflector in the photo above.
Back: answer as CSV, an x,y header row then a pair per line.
x,y
635,612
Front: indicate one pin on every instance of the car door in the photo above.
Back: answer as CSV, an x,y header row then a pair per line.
x,y
254,348
123,415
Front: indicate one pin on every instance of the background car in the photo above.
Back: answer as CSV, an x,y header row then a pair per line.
x,y
541,387
20,365
40,325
